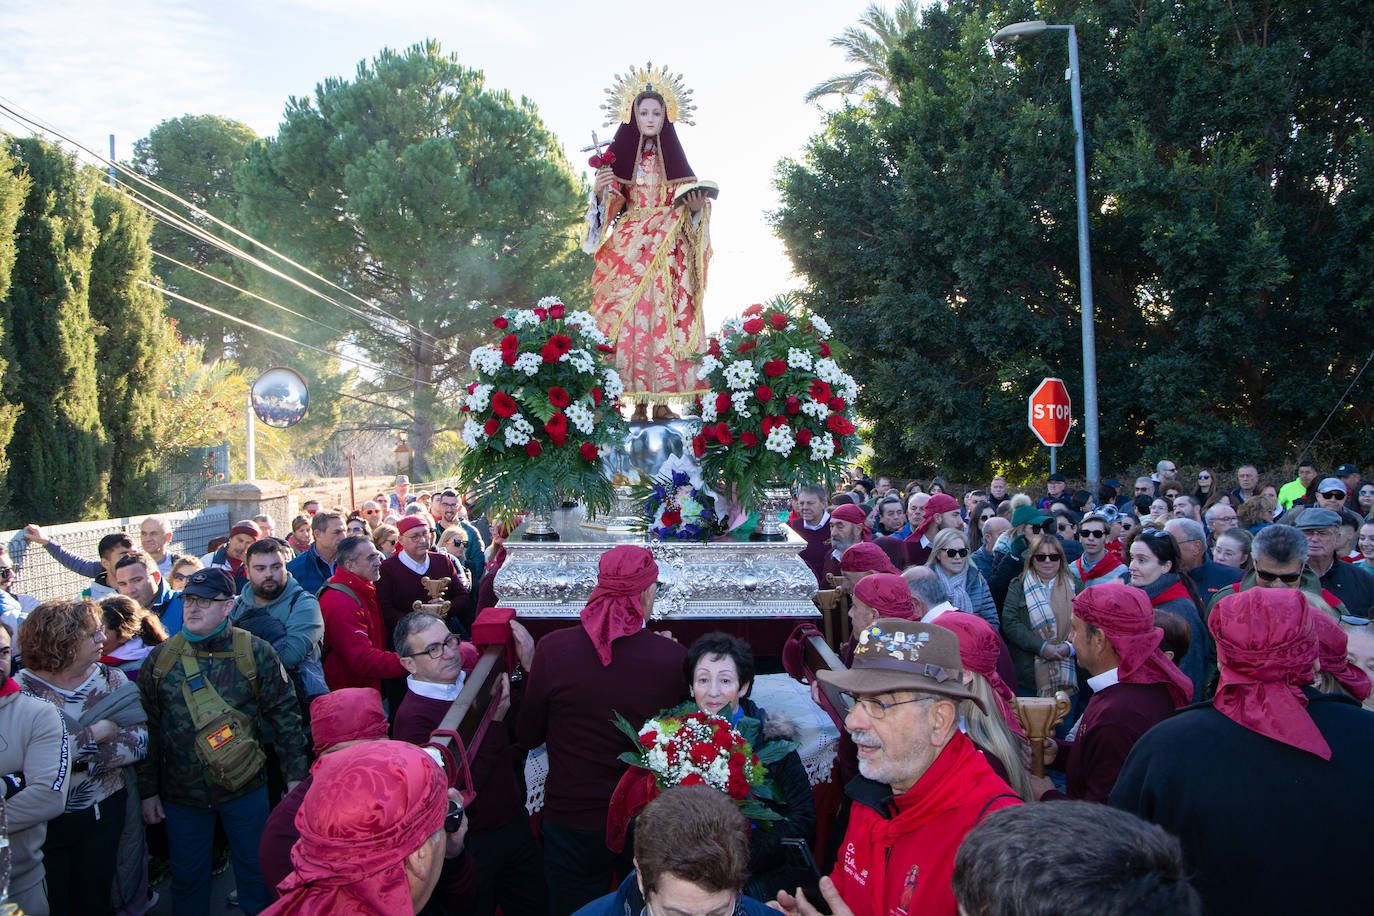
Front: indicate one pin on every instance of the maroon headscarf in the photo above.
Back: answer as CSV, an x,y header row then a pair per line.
x,y
979,649
614,609
887,594
625,146
867,557
1331,656
1125,615
1266,647
405,524
938,504
369,807
854,515
346,714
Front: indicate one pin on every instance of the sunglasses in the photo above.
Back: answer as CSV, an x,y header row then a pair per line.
x,y
1265,575
1204,477
1092,533
1046,557
1334,494
953,552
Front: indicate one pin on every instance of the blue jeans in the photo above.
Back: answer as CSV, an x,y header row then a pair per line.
x,y
191,833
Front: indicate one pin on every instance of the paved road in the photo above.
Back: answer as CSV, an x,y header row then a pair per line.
x,y
219,891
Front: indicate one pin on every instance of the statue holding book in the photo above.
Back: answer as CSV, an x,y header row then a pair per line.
x,y
648,227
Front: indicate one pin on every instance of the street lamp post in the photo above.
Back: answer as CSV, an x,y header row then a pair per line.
x,y
1085,285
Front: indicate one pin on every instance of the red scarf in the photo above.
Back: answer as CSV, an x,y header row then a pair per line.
x,y
1109,562
614,608
1124,614
1169,594
10,686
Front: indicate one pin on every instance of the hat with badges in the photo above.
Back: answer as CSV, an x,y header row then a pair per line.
x,y
895,654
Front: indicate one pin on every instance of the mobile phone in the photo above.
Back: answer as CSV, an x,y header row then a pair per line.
x,y
453,818
805,873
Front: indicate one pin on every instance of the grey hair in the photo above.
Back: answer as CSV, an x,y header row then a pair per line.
x,y
411,624
926,587
1192,531
1281,543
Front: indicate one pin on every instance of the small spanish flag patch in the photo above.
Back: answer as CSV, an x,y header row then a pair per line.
x,y
220,737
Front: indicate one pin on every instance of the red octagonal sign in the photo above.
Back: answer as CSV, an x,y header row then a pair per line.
x,y
1051,412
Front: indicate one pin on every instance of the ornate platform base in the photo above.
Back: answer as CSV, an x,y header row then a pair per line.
x,y
732,579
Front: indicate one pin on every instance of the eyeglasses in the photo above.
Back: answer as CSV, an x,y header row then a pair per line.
x,y
953,552
98,637
875,708
1046,557
1333,494
192,601
436,649
1092,533
1265,575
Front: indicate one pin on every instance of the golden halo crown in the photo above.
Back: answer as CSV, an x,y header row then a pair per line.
x,y
677,98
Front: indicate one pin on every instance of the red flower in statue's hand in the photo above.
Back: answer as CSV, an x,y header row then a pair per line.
x,y
558,397
699,445
755,309
748,440
746,346
803,437
774,367
601,159
557,310
793,404
753,326
819,391
838,424
502,404
837,404
713,348
588,451
501,323
825,349
671,517
763,393
723,402
534,448
596,397
491,426
778,320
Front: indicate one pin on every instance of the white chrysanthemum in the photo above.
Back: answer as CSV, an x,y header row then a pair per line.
x,y
580,417
821,325
708,408
524,318
821,448
848,388
708,365
798,358
485,359
528,363
549,301
516,433
612,387
780,440
740,401
473,433
741,374
829,371
479,398
816,409
580,360
731,326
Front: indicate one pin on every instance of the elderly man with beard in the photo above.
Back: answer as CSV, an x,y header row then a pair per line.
x,y
846,530
922,785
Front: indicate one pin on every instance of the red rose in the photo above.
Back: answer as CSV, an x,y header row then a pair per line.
x,y
550,353
534,448
502,404
557,428
709,433
508,357
698,445
763,393
723,402
819,391
803,437
510,342
692,779
793,404
557,310
753,326
746,346
501,323
596,397
558,397
648,739
605,348
839,446
748,440
672,517
723,433
837,404
588,451
774,367
772,422
825,349
491,426
543,313
714,348
838,424
778,320
561,342
753,310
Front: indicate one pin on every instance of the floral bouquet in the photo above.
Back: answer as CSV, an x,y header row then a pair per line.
x,y
676,509
541,413
776,411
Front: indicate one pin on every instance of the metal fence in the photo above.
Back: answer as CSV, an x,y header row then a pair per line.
x,y
39,575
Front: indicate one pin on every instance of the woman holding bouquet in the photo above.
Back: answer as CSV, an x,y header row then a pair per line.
x,y
720,672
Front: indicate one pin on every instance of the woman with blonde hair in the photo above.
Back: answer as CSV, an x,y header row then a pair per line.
x,y
1035,620
968,590
384,538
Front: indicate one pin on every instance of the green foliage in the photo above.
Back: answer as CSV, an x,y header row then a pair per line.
x,y
1231,203
14,189
869,45
423,192
129,326
56,454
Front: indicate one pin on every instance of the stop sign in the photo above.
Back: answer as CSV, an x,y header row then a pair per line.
x,y
1051,412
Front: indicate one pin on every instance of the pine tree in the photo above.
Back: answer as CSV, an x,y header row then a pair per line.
x,y
129,322
14,187
56,450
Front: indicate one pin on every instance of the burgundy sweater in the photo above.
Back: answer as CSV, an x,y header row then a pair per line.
x,y
399,588
569,705
816,550
1113,721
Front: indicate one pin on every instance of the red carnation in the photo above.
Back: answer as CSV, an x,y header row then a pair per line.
x,y
557,428
588,451
825,349
709,433
763,393
534,448
819,391
753,326
510,342
772,422
774,367
838,424
558,397
753,310
561,342
837,404
746,346
648,739
803,437
491,426
501,323
672,517
793,404
596,397
605,348
839,446
748,440
698,446
713,348
702,752
502,404
723,402
692,779
549,352
543,313
723,433
508,357
778,320
557,310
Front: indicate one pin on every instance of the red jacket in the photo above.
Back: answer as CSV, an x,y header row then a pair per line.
x,y
898,853
355,652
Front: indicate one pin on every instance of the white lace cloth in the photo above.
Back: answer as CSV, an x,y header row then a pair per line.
x,y
778,694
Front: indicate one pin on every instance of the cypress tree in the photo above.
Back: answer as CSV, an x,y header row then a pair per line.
x,y
14,187
56,450
128,318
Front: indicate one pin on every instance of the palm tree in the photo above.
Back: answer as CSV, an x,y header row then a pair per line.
x,y
869,48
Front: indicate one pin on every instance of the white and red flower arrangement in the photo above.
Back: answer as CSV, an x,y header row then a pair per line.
x,y
541,412
777,411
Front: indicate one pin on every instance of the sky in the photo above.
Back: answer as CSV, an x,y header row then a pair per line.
x,y
91,73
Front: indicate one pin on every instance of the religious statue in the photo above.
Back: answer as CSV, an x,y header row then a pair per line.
x,y
648,228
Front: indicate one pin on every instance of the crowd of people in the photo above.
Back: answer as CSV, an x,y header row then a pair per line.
x,y
270,706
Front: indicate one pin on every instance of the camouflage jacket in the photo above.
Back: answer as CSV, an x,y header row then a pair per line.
x,y
171,768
